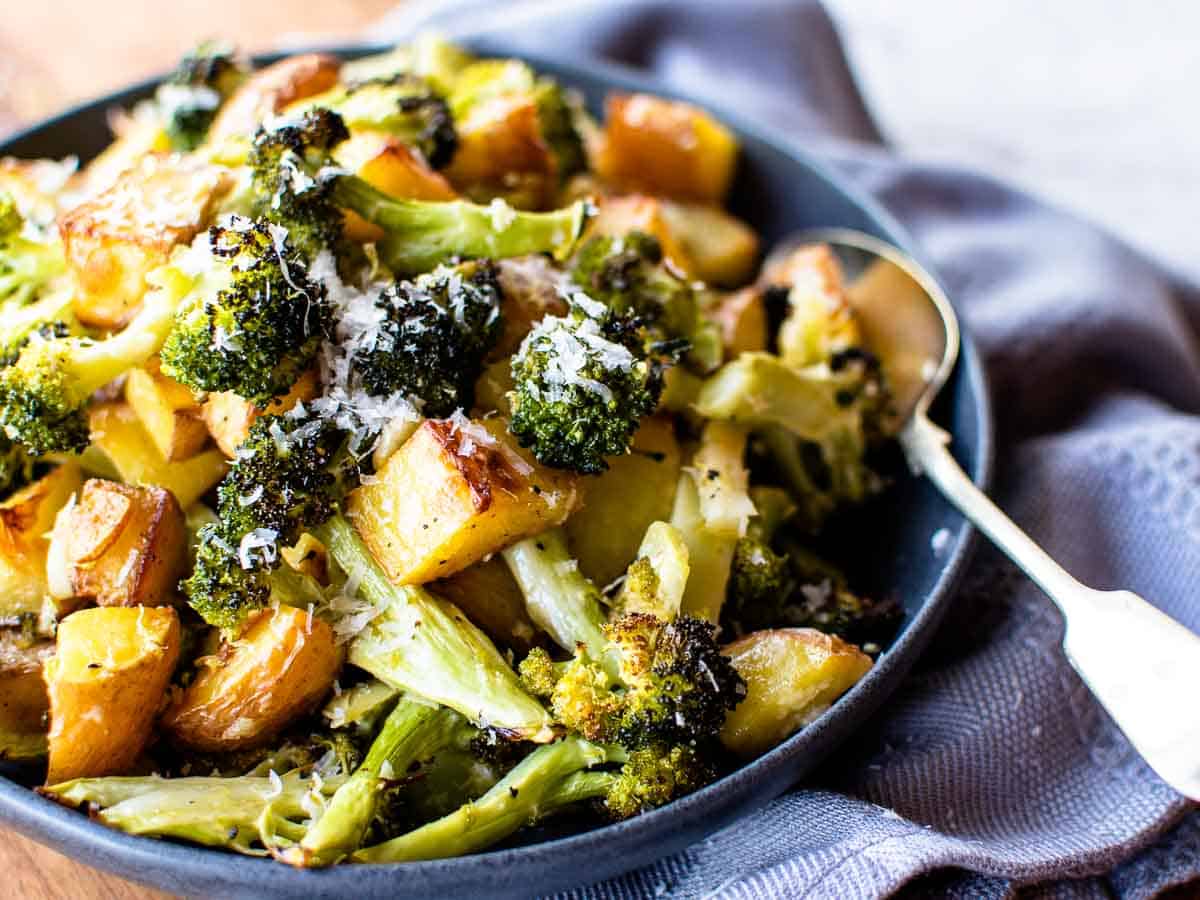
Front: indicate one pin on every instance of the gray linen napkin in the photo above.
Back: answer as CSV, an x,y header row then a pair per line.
x,y
991,773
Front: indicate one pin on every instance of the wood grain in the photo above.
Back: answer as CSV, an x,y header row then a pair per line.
x,y
50,58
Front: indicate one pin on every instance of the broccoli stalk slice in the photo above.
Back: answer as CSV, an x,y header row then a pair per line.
x,y
760,389
420,234
426,646
247,813
412,733
542,783
43,394
560,599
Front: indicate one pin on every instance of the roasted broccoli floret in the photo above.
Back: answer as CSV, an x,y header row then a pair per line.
x,y
27,262
255,320
45,391
45,319
288,476
413,733
630,275
16,466
191,95
635,680
292,180
759,578
583,382
551,778
402,105
428,648
432,340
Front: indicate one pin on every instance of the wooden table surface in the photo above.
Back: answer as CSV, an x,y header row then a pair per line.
x,y
38,78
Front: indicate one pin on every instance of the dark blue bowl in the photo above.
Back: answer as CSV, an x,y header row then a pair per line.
x,y
779,189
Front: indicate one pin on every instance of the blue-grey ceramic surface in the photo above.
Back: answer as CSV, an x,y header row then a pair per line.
x,y
779,189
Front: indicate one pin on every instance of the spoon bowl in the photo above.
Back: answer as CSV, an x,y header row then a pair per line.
x,y
1141,664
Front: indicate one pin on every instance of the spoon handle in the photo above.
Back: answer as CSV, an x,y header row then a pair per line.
x,y
1142,665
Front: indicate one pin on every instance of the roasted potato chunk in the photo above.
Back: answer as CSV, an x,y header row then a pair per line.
x,y
720,249
820,319
491,598
792,676
617,216
106,681
168,411
502,152
119,545
24,706
279,669
26,519
229,417
271,89
456,492
619,505
742,318
118,434
113,240
665,147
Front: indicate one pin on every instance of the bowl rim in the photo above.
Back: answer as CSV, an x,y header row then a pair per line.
x,y
138,858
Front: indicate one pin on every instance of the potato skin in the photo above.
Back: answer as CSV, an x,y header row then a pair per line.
x,y
23,702
26,519
792,676
106,681
121,545
283,664
272,88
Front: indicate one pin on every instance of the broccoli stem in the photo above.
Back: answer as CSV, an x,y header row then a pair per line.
x,y
426,646
413,732
546,780
710,553
421,234
218,812
559,598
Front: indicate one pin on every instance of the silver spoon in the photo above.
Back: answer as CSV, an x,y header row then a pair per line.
x,y
1142,665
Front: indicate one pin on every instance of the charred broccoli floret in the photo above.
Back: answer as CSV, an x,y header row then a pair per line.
x,y
630,275
191,95
46,319
292,180
583,382
434,335
559,775
27,262
401,105
255,320
289,475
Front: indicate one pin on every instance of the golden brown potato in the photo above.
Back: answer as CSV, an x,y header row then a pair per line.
x,y
229,416
619,505
490,597
125,444
742,317
529,288
24,706
720,249
455,492
119,545
107,679
272,88
492,388
500,144
279,669
168,411
25,522
115,238
665,147
792,676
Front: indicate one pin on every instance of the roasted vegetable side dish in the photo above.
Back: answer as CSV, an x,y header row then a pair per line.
x,y
394,456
